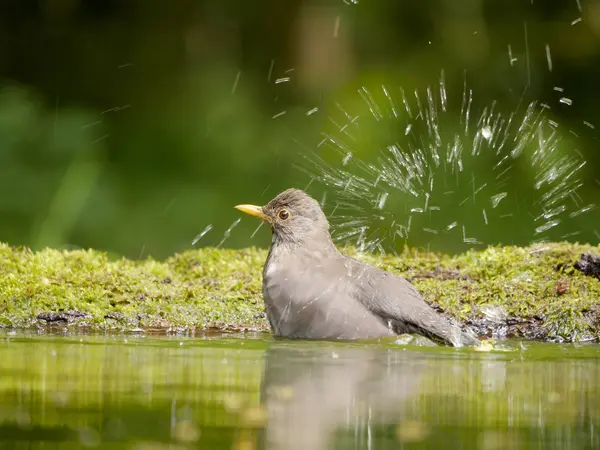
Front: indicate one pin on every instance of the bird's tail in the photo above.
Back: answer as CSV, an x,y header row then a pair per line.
x,y
441,329
459,338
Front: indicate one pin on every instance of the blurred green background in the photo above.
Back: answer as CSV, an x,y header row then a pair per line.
x,y
131,125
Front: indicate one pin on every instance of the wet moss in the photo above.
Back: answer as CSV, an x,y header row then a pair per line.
x,y
536,289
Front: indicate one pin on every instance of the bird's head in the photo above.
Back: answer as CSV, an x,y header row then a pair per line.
x,y
293,215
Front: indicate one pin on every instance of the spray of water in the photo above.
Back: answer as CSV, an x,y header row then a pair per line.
x,y
201,234
439,176
228,231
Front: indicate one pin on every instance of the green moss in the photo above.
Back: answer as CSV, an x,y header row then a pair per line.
x,y
543,295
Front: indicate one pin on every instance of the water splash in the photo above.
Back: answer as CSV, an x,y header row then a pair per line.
x,y
437,174
201,234
567,101
228,231
496,199
256,230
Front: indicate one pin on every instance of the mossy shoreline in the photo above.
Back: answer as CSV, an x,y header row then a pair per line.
x,y
501,292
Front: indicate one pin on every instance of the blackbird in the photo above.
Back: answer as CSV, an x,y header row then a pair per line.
x,y
312,291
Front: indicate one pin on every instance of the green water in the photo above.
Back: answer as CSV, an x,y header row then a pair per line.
x,y
252,392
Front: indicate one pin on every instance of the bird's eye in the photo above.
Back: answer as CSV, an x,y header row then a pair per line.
x,y
284,214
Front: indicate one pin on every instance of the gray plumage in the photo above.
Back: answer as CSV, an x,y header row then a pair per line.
x,y
312,291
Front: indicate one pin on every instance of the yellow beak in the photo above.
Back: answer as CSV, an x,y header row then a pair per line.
x,y
253,210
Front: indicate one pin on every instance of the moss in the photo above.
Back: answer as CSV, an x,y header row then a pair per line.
x,y
543,296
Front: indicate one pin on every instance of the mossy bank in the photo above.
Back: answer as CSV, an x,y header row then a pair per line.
x,y
532,292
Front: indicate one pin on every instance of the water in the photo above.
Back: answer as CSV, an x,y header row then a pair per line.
x,y
252,392
407,168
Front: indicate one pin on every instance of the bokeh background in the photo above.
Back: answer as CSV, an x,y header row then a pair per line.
x,y
132,125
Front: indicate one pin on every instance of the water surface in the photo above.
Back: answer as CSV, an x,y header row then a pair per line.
x,y
253,392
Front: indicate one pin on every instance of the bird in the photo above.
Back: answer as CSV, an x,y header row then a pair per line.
x,y
313,291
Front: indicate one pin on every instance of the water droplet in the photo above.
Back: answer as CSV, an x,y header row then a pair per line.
x,y
582,210
486,132
382,200
546,226
496,199
548,58
566,101
228,231
201,234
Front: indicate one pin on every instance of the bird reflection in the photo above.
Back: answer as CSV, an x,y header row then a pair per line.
x,y
309,393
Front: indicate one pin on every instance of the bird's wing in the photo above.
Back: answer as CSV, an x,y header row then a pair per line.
x,y
396,300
